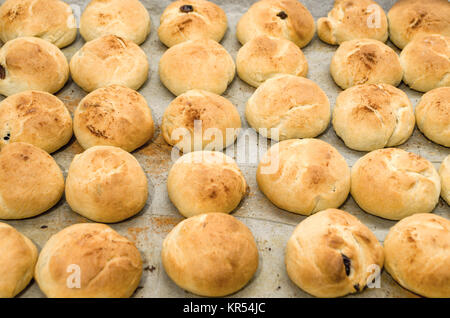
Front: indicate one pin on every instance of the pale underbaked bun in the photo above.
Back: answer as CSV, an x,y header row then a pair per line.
x,y
350,20
304,176
444,172
287,107
373,116
127,19
417,254
192,20
215,115
204,182
210,255
196,64
264,57
392,183
50,20
410,18
37,118
113,116
426,62
88,260
31,64
109,60
18,256
332,254
433,115
31,181
106,184
365,61
288,19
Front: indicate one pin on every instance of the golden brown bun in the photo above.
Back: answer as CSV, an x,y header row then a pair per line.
x,y
109,60
192,20
196,64
373,116
287,107
218,117
127,19
350,20
106,184
108,264
393,184
210,255
37,118
31,64
18,256
288,19
417,254
444,172
31,182
332,254
50,20
410,18
365,61
264,57
433,115
113,116
204,182
304,176
426,62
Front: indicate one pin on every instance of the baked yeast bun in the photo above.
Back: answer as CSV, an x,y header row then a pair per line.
x,y
332,254
31,64
393,184
288,19
264,57
204,182
106,184
192,20
304,176
417,252
88,260
18,256
444,172
210,255
365,61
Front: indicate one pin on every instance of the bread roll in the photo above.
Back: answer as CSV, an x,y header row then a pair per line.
x,y
192,20
287,107
106,184
373,116
351,20
109,60
426,62
365,61
196,64
127,19
18,256
31,64
88,260
393,184
304,176
444,172
37,118
332,254
215,183
410,18
31,182
288,19
264,57
216,116
210,255
50,20
417,254
113,116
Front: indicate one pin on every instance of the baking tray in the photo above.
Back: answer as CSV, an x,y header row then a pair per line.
x,y
271,226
